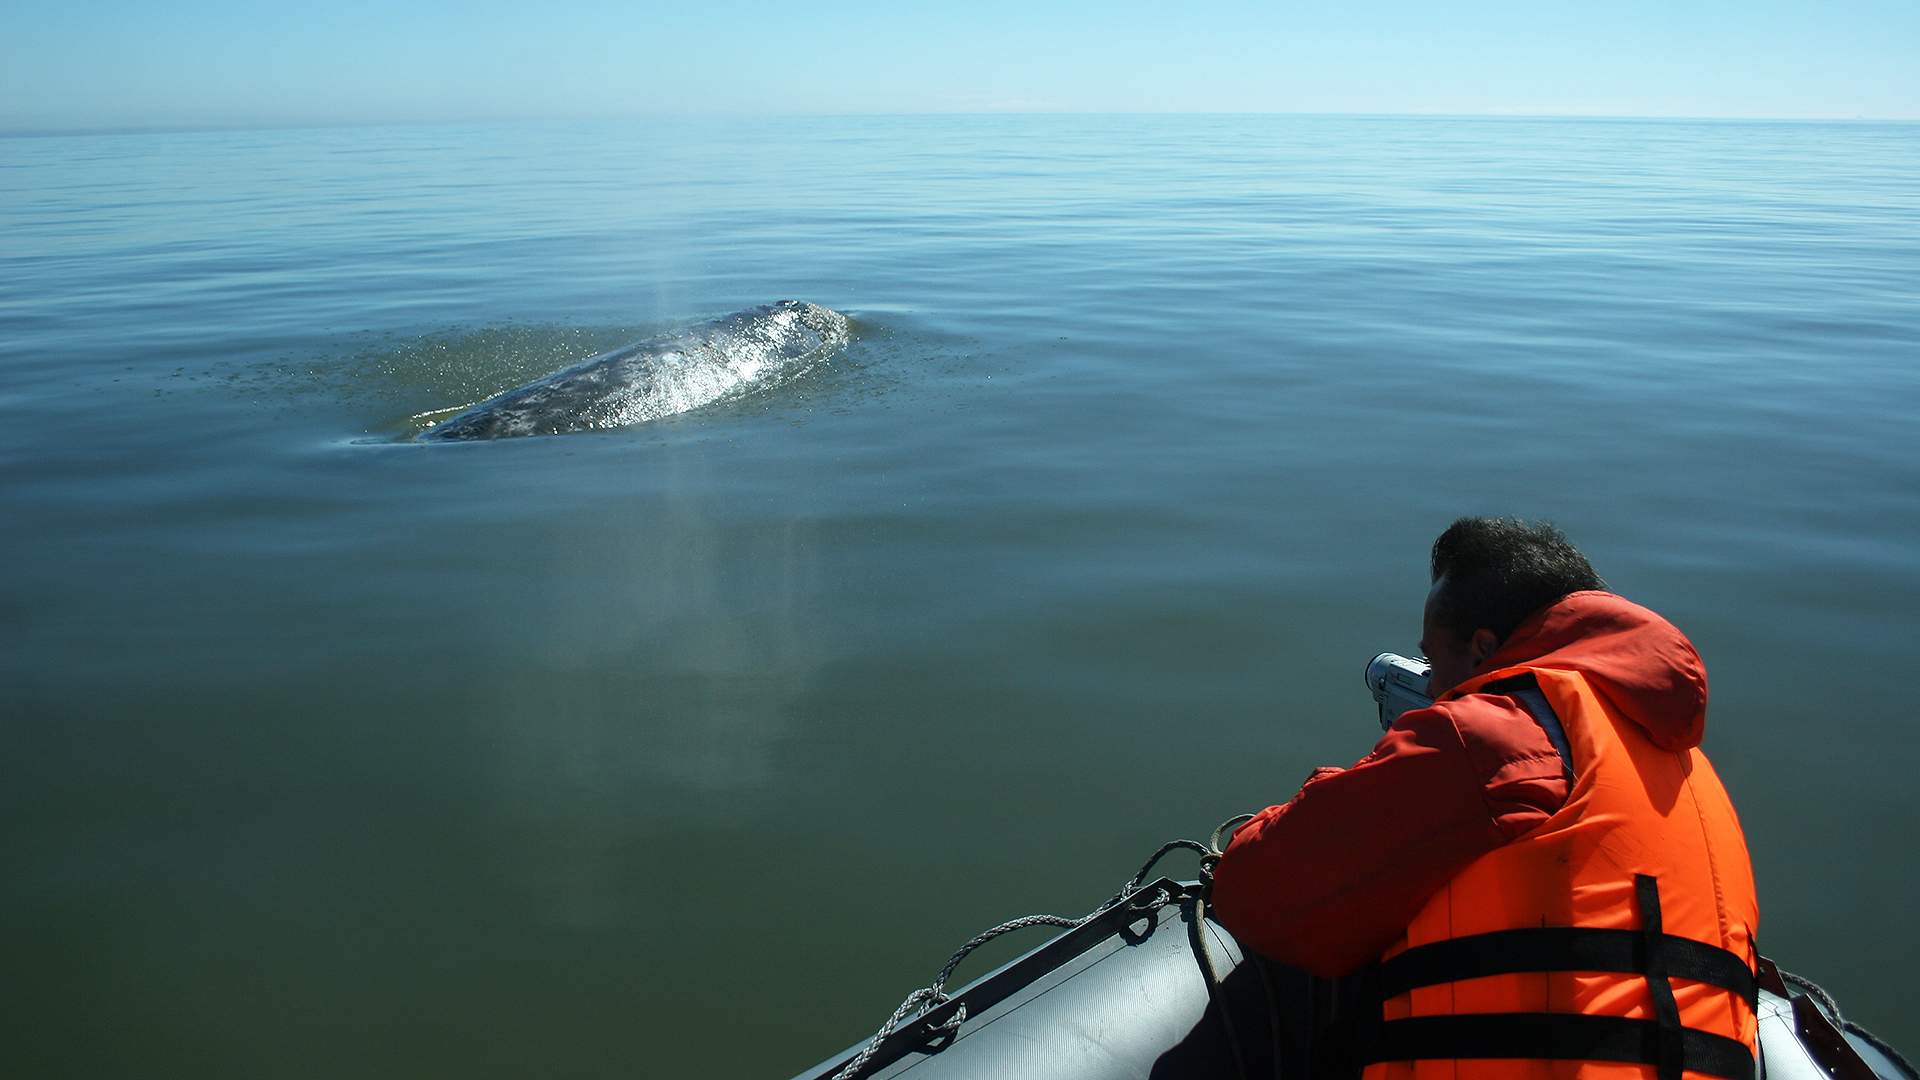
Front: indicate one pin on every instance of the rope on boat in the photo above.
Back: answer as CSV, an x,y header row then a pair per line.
x,y
932,996
1832,1009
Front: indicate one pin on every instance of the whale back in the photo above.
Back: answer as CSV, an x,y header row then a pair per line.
x,y
660,376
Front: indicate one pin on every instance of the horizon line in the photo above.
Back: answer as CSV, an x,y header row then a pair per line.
x,y
165,128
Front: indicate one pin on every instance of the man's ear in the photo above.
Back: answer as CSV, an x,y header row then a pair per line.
x,y
1482,645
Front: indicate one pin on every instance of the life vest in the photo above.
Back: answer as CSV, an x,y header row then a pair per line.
x,y
1615,940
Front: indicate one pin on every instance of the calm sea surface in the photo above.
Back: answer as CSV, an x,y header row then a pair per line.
x,y
692,747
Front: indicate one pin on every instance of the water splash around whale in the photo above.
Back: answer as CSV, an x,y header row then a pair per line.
x,y
660,376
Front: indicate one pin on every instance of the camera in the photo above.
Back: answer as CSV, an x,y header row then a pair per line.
x,y
1398,684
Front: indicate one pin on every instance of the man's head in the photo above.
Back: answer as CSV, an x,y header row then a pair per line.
x,y
1489,574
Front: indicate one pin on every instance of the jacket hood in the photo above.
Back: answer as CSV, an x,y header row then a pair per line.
x,y
1638,662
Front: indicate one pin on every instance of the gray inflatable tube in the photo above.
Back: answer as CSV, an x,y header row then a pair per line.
x,y
1152,987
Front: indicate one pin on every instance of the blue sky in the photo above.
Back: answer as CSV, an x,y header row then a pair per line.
x,y
193,63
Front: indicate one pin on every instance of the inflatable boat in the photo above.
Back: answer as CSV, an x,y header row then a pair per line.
x,y
1150,986
1147,985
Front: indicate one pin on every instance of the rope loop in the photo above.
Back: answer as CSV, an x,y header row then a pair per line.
x,y
1137,880
1225,831
952,1027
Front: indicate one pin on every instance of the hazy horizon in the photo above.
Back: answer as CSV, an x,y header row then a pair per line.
x,y
454,121
210,64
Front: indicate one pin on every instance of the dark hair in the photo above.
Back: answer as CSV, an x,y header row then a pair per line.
x,y
1501,570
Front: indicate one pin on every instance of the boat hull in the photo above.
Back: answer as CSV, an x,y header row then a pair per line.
x,y
1163,991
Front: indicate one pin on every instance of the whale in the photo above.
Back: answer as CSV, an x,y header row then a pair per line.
x,y
658,377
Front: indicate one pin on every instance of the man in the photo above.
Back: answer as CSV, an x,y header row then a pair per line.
x,y
1542,864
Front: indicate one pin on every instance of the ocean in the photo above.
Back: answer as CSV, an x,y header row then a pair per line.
x,y
691,747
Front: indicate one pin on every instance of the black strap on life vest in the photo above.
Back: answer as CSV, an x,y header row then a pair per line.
x,y
1543,1036
1650,952
1563,948
1525,689
1666,1011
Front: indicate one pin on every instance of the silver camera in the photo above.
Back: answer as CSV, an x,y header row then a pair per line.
x,y
1398,684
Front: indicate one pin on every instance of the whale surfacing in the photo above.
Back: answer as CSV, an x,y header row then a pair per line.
x,y
658,377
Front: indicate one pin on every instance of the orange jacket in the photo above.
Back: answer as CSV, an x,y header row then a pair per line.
x,y
1618,935
1631,694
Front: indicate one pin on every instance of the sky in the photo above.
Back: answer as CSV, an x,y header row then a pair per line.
x,y
75,65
